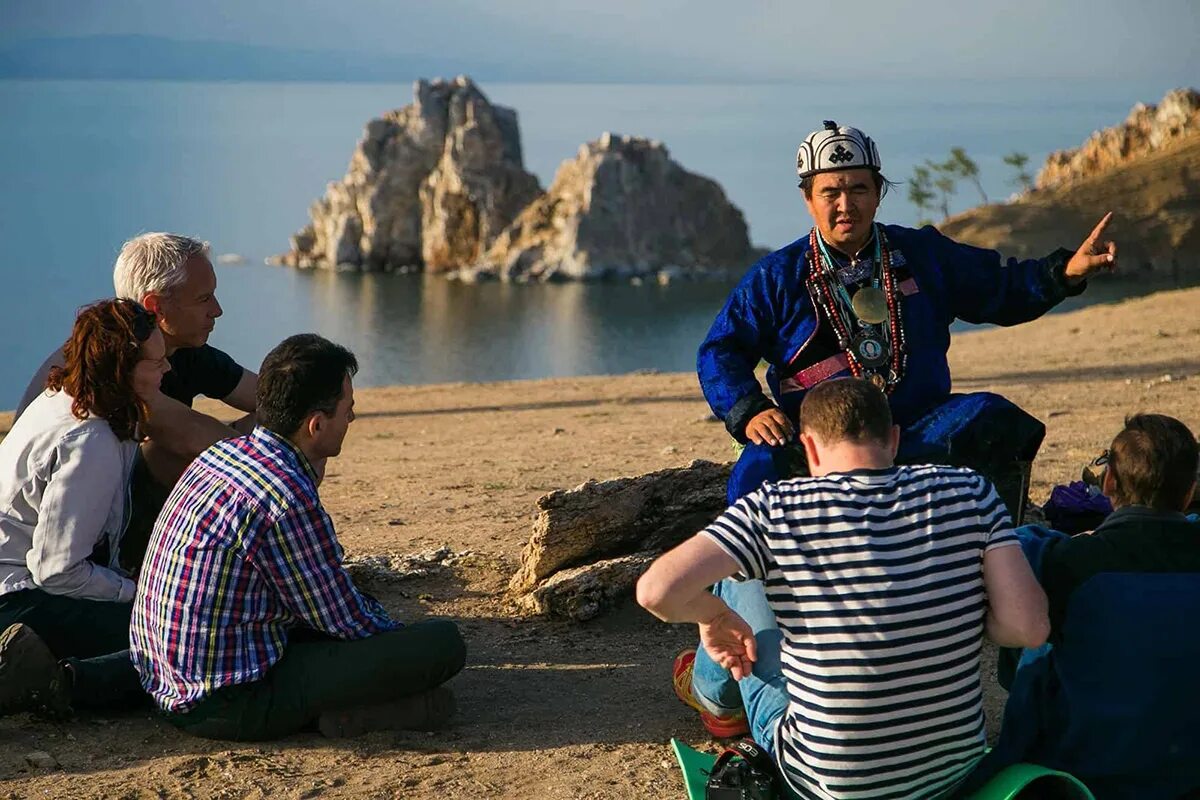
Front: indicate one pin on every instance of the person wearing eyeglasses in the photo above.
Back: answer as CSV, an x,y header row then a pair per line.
x,y
64,504
172,276
1113,699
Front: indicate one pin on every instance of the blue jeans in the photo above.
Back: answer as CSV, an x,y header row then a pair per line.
x,y
763,692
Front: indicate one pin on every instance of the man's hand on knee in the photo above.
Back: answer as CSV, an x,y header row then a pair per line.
x,y
770,427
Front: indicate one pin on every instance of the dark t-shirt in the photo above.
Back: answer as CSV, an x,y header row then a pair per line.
x,y
1132,539
200,370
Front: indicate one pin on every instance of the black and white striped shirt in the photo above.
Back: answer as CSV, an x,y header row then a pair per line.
x,y
876,581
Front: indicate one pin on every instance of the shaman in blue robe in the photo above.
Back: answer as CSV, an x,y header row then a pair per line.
x,y
770,316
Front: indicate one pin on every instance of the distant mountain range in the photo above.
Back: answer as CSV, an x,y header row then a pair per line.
x,y
159,58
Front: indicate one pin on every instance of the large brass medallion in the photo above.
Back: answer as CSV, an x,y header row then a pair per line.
x,y
870,305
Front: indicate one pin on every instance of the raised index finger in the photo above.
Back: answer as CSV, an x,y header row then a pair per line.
x,y
1098,231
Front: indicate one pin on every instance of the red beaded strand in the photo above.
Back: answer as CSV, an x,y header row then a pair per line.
x,y
822,291
895,325
819,281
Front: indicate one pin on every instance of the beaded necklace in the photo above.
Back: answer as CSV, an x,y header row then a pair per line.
x,y
829,295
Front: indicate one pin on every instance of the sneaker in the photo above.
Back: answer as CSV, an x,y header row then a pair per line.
x,y
424,711
31,678
721,726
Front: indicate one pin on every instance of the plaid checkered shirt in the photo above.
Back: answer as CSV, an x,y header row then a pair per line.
x,y
242,553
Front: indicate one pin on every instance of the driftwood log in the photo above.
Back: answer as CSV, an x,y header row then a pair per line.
x,y
590,543
581,593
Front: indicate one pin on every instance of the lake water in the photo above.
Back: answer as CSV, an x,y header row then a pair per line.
x,y
89,164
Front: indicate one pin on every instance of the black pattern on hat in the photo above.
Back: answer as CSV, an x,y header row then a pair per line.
x,y
835,148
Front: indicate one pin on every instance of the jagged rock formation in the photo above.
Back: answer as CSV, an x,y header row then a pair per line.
x,y
589,544
583,593
1148,129
622,208
1156,222
430,185
440,185
623,515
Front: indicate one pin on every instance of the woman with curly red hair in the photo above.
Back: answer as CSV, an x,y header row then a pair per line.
x,y
64,501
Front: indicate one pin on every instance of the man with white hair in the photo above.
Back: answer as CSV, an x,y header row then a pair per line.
x,y
172,276
854,297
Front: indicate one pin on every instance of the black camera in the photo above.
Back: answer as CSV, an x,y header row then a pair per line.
x,y
743,772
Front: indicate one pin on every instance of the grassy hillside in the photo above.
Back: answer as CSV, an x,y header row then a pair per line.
x,y
1156,201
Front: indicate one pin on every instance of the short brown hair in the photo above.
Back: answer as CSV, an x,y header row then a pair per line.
x,y
1153,462
846,409
104,348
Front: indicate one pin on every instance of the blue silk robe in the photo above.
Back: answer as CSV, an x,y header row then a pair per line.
x,y
770,316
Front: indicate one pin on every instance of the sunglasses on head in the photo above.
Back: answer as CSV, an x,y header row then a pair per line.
x,y
144,323
1093,473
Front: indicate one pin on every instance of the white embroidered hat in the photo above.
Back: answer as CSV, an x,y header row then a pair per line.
x,y
834,148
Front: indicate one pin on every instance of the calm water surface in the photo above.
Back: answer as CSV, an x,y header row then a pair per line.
x,y
89,164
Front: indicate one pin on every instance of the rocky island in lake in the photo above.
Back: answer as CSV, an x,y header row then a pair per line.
x,y
440,186
430,186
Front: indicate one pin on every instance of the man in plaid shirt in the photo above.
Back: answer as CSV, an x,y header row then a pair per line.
x,y
245,625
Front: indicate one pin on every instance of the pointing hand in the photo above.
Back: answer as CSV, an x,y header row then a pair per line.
x,y
1093,255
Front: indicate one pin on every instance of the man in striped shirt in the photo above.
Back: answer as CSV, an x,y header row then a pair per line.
x,y
852,642
246,625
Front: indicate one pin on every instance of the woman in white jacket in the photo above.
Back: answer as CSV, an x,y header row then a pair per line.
x,y
64,500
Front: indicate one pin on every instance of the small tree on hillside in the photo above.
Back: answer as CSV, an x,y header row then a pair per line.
x,y
1018,161
945,184
920,193
963,166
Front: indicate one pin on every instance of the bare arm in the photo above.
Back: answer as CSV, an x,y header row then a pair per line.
x,y
675,589
243,396
181,430
1017,614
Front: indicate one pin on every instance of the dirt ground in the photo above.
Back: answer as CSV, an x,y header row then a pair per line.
x,y
548,709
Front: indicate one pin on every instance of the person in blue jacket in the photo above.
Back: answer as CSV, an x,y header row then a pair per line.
x,y
1113,698
854,297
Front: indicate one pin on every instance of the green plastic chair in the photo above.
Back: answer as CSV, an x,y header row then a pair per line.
x,y
1010,784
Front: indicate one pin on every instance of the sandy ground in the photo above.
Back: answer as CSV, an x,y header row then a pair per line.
x,y
548,709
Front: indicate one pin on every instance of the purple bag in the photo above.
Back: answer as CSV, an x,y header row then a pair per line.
x,y
1076,507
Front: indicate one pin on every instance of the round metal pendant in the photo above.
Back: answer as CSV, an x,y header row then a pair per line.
x,y
870,350
870,305
877,381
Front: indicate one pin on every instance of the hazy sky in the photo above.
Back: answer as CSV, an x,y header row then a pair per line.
x,y
793,40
